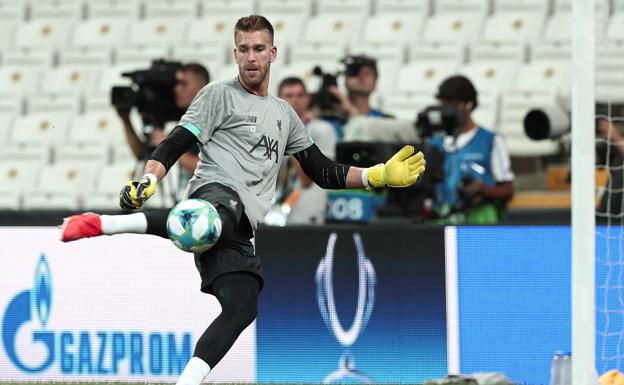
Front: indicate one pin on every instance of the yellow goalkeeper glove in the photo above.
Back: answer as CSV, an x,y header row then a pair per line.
x,y
134,193
402,170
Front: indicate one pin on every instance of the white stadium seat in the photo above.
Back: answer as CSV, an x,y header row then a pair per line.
x,y
59,10
139,57
406,105
156,31
87,56
97,127
12,11
413,7
288,29
68,79
333,29
6,121
81,153
423,76
113,76
67,177
19,175
618,6
316,53
609,76
345,7
551,50
491,76
100,32
105,194
513,27
127,9
50,127
210,55
453,27
458,6
11,104
187,9
18,80
601,9
7,32
544,76
302,8
615,30
231,8
43,33
37,56
447,51
305,71
392,27
25,152
46,103
51,201
510,51
537,7
218,29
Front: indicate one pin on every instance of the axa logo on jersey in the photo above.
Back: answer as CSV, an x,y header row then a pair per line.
x,y
270,146
83,352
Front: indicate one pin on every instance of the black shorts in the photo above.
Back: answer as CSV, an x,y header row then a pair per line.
x,y
238,255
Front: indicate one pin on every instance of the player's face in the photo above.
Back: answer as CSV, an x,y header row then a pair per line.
x,y
187,86
296,96
364,82
254,54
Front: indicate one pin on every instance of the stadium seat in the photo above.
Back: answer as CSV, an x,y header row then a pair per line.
x,y
66,10
514,106
6,121
303,70
232,8
453,27
38,56
18,80
100,32
67,177
447,51
7,32
68,79
486,113
97,127
11,106
615,29
43,33
25,152
392,28
460,6
538,7
12,11
548,50
123,153
156,32
113,76
81,153
336,28
513,27
355,8
618,6
172,8
609,79
105,194
406,105
300,8
423,76
491,76
316,53
413,7
514,52
46,103
51,201
216,29
210,55
140,57
15,177
127,9
288,29
559,28
49,127
544,76
86,56
601,8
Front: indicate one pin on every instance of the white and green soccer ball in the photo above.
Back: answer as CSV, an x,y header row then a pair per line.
x,y
194,225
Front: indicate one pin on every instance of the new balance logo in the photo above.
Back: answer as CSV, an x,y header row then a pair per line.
x,y
233,204
270,147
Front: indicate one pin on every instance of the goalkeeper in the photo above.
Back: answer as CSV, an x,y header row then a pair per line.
x,y
243,133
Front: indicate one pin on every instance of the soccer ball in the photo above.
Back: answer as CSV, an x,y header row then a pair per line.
x,y
194,225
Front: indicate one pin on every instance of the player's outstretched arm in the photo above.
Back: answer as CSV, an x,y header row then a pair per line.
x,y
134,193
402,170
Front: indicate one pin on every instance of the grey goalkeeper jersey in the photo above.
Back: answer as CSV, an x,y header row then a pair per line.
x,y
243,140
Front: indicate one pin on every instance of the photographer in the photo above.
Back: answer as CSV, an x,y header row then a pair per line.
x,y
360,81
478,178
189,80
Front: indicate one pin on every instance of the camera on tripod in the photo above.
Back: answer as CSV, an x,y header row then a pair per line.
x,y
152,93
328,103
445,119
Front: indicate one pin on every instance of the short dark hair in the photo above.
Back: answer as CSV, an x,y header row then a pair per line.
x,y
198,70
290,81
253,23
458,87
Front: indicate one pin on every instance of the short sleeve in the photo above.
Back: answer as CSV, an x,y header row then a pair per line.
x,y
501,164
298,137
206,112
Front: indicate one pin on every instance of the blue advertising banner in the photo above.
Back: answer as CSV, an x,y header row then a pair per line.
x,y
351,305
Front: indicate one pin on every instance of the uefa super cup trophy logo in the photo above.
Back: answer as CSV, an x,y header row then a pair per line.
x,y
366,298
